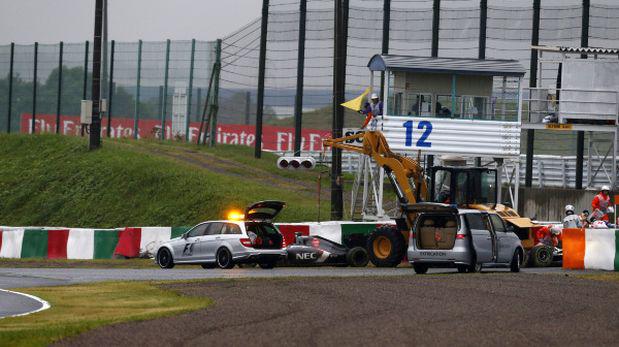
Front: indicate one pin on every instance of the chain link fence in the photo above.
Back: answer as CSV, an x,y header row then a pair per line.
x,y
142,93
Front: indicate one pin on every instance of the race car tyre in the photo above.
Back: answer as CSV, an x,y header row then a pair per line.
x,y
541,256
266,265
514,266
164,259
386,247
224,259
208,265
357,257
420,269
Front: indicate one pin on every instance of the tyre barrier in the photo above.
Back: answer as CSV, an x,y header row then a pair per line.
x,y
591,249
132,242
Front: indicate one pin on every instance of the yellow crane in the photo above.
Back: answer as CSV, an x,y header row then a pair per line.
x,y
387,245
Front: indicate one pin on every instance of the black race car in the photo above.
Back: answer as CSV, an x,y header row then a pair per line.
x,y
316,250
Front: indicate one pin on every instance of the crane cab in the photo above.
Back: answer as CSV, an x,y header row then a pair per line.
x,y
463,185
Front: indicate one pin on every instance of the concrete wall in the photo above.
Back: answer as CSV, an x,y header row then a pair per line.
x,y
547,204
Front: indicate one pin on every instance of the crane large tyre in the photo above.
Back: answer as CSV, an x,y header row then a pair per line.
x,y
386,247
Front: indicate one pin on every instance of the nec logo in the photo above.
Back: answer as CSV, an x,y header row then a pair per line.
x,y
306,256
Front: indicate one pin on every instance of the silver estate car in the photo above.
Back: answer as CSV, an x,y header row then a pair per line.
x,y
467,239
251,238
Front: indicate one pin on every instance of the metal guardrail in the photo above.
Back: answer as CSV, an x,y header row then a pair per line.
x,y
548,170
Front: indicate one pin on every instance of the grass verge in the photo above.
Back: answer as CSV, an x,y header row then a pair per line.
x,y
136,263
55,181
78,308
603,276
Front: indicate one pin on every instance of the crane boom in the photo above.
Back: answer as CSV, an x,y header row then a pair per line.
x,y
399,169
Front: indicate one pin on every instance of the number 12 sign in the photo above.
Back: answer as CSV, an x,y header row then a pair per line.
x,y
423,139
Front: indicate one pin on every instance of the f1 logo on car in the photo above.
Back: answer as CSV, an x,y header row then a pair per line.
x,y
188,251
307,256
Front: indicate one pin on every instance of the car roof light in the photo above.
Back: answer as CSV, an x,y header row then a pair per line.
x,y
235,215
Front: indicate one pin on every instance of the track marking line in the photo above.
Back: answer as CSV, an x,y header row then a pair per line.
x,y
44,304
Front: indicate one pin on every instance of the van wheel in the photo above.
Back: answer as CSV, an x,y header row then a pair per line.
x,y
224,259
541,256
420,269
386,247
267,265
514,266
475,266
357,257
208,265
462,269
164,259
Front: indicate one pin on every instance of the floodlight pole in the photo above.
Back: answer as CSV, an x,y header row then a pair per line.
x,y
95,126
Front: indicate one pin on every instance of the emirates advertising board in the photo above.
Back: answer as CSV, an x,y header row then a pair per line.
x,y
452,136
274,138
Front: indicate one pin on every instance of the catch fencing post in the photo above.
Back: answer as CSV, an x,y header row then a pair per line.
x,y
208,98
580,135
190,90
528,175
298,101
436,20
261,70
215,104
165,89
110,90
34,87
481,50
95,126
59,92
136,114
339,89
483,20
385,46
85,81
10,101
160,101
247,106
198,101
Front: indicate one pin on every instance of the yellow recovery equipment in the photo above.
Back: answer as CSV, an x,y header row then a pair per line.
x,y
387,245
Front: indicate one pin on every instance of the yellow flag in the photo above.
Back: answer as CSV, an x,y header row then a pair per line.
x,y
357,103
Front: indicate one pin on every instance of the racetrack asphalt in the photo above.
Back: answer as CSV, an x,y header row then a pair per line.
x,y
495,308
33,277
12,304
